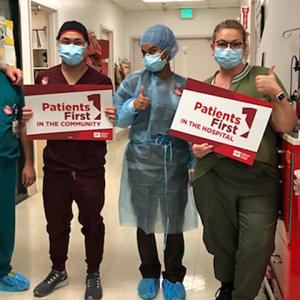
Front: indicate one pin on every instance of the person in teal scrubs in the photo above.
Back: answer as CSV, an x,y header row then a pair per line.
x,y
11,129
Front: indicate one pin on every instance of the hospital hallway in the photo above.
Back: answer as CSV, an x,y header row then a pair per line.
x,y
119,270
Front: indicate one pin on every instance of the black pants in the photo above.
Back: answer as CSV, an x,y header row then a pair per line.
x,y
151,267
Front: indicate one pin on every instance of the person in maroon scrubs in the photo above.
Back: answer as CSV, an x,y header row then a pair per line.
x,y
74,170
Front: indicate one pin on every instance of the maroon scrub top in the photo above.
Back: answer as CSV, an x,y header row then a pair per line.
x,y
73,155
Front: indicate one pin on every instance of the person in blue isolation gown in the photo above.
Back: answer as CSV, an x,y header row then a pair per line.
x,y
154,194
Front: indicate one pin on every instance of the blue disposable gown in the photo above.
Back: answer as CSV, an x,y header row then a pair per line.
x,y
155,194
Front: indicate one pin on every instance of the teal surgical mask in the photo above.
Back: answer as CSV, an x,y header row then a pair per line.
x,y
228,58
72,55
153,63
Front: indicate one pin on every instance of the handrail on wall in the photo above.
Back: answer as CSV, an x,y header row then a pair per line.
x,y
284,34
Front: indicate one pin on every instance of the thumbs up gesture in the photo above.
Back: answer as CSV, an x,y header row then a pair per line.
x,y
267,84
141,102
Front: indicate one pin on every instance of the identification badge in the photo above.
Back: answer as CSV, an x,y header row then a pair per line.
x,y
15,128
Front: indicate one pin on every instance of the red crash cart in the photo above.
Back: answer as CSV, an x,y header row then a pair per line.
x,y
283,274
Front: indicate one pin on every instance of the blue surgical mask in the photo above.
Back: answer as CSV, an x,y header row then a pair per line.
x,y
153,63
228,58
72,55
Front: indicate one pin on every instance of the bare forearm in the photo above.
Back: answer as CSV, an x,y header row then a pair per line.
x,y
27,145
2,67
284,117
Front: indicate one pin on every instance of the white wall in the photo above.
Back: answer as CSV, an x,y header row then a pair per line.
x,y
204,22
92,13
281,16
38,20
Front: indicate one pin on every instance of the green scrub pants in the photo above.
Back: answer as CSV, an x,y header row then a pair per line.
x,y
8,178
238,205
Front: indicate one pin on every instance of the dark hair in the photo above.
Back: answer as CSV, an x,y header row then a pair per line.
x,y
230,24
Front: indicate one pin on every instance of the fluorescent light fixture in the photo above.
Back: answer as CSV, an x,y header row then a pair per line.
x,y
165,1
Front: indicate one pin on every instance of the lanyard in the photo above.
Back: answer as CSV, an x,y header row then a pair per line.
x,y
15,111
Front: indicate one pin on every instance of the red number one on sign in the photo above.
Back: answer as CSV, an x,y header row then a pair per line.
x,y
250,115
96,98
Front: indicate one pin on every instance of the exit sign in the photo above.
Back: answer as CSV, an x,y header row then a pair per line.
x,y
187,13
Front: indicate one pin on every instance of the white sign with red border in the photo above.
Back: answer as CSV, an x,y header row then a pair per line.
x,y
233,123
65,112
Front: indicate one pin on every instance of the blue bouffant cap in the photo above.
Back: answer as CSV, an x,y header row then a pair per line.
x,y
163,37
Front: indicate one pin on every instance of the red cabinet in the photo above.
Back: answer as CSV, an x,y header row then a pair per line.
x,y
284,270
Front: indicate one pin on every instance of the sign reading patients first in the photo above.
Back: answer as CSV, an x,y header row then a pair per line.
x,y
65,112
233,123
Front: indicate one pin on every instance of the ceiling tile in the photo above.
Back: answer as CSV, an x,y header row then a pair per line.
x,y
129,6
127,1
170,5
140,5
222,3
193,4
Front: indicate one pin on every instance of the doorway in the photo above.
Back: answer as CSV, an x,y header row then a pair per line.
x,y
44,56
194,58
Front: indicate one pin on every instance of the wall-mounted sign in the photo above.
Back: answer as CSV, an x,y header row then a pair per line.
x,y
187,13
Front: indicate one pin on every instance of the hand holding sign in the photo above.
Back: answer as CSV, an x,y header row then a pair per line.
x,y
110,112
141,102
267,84
202,150
27,113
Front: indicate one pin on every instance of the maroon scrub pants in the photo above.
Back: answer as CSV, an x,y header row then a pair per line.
x,y
86,188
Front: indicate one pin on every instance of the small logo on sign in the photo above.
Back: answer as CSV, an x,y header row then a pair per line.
x,y
237,153
8,110
97,135
241,155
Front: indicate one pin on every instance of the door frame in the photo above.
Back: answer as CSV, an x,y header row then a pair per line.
x,y
53,59
111,60
52,28
131,43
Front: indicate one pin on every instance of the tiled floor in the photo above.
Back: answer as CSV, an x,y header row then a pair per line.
x,y
119,270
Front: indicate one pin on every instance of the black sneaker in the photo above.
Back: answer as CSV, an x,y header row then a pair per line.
x,y
93,289
53,281
223,294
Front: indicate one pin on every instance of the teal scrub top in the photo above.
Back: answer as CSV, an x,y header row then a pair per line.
x,y
10,97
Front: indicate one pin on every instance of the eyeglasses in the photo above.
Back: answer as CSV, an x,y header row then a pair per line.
x,y
235,45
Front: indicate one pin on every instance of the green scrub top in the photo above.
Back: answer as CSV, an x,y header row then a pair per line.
x,y
267,157
10,97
